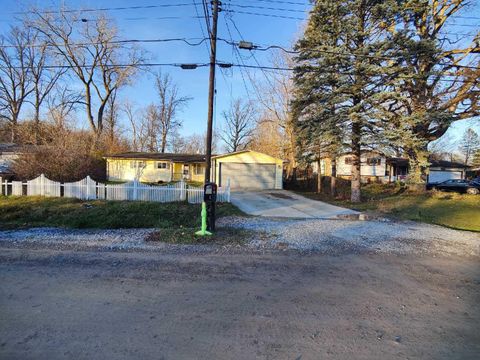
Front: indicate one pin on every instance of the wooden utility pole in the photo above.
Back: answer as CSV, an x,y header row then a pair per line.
x,y
211,88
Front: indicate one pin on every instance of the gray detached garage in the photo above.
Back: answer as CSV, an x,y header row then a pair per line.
x,y
248,170
441,170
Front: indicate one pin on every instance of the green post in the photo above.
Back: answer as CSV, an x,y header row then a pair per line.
x,y
203,230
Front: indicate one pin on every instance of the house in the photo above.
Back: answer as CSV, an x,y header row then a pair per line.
x,y
155,167
9,152
245,169
377,167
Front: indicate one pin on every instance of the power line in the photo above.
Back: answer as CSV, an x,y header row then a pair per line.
x,y
238,56
284,2
201,27
266,15
227,65
301,18
125,41
267,8
119,8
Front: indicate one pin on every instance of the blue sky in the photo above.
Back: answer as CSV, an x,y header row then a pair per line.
x,y
194,83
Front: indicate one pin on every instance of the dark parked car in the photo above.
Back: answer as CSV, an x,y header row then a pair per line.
x,y
461,186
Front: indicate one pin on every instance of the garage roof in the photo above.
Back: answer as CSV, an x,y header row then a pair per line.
x,y
241,152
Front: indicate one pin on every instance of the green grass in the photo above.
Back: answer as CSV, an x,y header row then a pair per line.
x,y
25,211
222,236
447,209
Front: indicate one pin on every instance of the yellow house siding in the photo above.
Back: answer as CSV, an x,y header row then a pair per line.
x,y
177,171
252,157
121,170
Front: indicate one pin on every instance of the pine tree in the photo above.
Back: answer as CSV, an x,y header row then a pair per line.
x,y
340,75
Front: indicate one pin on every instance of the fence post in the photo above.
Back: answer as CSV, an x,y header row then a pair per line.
x,y
1,185
42,185
183,190
87,192
135,189
228,190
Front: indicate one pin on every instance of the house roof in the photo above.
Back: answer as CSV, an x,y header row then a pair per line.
x,y
11,148
185,158
446,164
433,163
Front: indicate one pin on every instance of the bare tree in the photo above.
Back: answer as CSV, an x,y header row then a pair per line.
x,y
274,93
112,116
268,138
61,103
132,117
170,104
15,77
150,127
239,125
469,144
195,143
93,55
43,78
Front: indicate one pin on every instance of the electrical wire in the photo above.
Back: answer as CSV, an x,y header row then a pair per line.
x,y
201,28
124,41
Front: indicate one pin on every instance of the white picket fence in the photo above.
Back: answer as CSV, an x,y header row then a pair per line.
x,y
88,189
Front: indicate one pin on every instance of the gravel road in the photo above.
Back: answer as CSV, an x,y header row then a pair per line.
x,y
298,289
320,236
63,304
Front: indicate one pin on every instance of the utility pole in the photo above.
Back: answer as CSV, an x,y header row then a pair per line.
x,y
211,88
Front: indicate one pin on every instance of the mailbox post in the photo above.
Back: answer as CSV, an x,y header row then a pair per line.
x,y
210,198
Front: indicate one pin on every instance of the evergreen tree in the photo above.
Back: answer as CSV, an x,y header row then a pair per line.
x,y
340,76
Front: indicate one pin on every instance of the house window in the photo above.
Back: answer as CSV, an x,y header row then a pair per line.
x,y
163,165
198,169
374,161
137,164
348,161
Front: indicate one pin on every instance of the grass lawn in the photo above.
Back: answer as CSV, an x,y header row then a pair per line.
x,y
26,211
448,209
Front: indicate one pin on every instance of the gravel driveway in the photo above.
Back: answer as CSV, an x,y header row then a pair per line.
x,y
314,235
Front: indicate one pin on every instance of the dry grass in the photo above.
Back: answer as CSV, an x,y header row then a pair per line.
x,y
452,210
29,211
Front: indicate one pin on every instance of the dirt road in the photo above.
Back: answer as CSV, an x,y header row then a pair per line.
x,y
61,304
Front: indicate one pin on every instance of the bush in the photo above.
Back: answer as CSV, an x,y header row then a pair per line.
x,y
65,158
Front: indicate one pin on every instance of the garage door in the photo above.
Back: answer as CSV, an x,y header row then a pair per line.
x,y
437,176
248,176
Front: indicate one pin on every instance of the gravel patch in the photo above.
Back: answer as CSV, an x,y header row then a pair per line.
x,y
334,236
324,236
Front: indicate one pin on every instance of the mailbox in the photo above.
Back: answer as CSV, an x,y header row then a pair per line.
x,y
210,197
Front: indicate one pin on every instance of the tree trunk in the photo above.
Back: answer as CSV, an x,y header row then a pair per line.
x,y
355,172
418,162
333,179
319,176
164,143
14,129
37,123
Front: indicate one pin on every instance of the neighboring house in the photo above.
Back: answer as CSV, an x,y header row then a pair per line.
x,y
374,166
9,152
155,167
244,169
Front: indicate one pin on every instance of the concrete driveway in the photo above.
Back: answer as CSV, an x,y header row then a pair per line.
x,y
283,203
